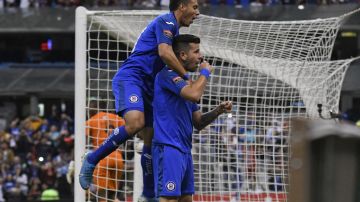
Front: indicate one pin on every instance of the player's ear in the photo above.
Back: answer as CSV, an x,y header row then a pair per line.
x,y
182,6
183,55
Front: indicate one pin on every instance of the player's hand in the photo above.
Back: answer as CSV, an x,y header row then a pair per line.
x,y
225,106
206,65
189,82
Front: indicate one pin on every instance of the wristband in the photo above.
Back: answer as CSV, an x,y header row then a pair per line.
x,y
205,72
185,77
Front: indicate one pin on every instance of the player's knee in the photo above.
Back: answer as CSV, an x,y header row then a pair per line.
x,y
135,126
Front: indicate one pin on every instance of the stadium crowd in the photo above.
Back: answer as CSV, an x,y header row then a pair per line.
x,y
252,158
158,3
34,157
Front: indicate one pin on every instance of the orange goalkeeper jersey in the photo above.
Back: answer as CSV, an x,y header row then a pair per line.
x,y
107,173
99,126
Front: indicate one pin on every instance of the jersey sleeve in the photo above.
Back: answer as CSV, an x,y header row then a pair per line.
x,y
165,31
171,81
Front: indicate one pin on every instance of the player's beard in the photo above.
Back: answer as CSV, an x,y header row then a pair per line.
x,y
188,66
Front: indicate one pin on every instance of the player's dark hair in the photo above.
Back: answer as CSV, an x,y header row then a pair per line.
x,y
174,4
182,41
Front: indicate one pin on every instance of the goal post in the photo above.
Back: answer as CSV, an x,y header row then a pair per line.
x,y
80,97
272,71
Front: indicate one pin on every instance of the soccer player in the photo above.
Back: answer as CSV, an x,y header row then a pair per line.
x,y
109,170
175,114
133,87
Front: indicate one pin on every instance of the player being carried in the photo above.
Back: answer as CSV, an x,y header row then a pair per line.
x,y
175,114
133,88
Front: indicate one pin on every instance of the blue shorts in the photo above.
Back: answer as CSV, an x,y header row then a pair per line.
x,y
130,95
173,171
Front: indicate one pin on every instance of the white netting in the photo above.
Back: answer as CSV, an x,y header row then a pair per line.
x,y
272,71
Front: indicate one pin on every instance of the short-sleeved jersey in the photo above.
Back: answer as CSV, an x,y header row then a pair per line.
x,y
144,62
100,125
173,121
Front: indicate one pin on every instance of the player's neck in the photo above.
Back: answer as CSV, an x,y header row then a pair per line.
x,y
178,15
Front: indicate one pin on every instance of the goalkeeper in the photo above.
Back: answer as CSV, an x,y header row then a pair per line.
x,y
133,87
108,172
175,114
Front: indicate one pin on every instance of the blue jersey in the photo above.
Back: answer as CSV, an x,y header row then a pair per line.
x,y
173,123
144,62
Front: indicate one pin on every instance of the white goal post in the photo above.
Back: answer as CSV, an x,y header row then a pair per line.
x,y
272,71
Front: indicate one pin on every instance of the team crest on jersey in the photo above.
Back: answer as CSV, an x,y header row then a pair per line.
x,y
168,33
170,186
177,79
133,98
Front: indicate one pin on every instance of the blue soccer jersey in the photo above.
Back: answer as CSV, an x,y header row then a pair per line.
x,y
144,62
173,123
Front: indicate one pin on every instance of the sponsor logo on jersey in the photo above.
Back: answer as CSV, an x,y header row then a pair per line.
x,y
134,98
168,34
170,23
170,186
177,79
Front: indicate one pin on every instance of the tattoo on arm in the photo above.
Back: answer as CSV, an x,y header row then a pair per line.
x,y
209,117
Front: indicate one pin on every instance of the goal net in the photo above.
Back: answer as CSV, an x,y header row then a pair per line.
x,y
272,71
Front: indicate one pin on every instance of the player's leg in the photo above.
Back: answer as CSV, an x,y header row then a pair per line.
x,y
168,171
186,198
187,185
129,102
168,199
148,193
146,156
134,121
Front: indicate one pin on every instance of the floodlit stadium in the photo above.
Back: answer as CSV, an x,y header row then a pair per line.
x,y
289,68
273,71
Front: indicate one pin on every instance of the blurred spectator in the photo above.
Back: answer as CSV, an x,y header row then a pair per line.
x,y
61,164
66,123
2,199
48,174
14,129
44,147
35,190
54,133
28,158
23,145
21,180
44,126
7,153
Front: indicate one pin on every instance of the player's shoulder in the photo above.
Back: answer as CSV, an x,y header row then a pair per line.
x,y
168,18
167,72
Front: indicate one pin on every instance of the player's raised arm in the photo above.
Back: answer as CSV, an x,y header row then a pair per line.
x,y
168,56
194,90
200,120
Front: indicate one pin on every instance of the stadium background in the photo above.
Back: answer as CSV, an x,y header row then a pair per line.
x,y
37,80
